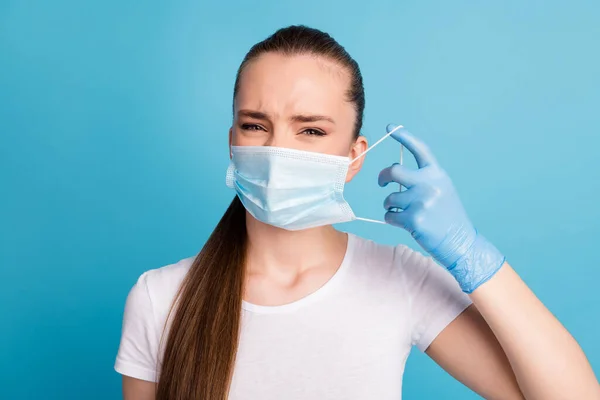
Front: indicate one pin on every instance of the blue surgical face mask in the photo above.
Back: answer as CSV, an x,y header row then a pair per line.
x,y
292,189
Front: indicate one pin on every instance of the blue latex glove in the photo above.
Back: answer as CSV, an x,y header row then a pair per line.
x,y
432,212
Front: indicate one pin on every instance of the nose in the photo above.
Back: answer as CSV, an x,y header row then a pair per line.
x,y
279,137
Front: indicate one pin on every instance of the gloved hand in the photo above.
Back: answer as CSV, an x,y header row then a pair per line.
x,y
432,212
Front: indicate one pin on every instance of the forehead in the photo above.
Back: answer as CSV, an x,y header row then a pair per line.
x,y
281,84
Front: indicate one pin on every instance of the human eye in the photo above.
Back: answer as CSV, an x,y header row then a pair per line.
x,y
252,127
313,132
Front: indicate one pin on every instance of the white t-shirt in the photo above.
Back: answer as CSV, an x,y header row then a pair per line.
x,y
348,340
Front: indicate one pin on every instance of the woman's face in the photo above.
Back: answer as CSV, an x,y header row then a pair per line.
x,y
297,102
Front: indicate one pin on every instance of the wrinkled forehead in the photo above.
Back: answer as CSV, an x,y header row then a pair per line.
x,y
284,85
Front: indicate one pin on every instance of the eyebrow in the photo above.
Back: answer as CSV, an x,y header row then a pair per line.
x,y
295,118
311,118
253,114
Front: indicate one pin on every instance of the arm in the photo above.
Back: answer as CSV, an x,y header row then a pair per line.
x,y
509,337
546,359
468,350
508,345
137,389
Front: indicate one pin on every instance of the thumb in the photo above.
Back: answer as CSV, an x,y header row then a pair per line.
x,y
422,153
397,129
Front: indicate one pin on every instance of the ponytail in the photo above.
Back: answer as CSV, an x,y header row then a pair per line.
x,y
203,338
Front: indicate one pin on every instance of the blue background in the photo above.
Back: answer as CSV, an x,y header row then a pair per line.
x,y
113,150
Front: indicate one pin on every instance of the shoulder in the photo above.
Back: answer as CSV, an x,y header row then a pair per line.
x,y
384,265
166,278
397,265
148,305
385,258
157,288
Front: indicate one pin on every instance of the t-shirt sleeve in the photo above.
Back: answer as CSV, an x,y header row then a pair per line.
x,y
435,297
139,340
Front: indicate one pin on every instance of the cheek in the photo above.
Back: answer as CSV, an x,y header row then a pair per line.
x,y
333,144
351,174
255,138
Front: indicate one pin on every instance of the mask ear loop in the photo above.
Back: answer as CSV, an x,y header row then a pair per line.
x,y
401,162
371,220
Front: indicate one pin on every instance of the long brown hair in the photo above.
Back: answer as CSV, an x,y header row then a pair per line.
x,y
202,340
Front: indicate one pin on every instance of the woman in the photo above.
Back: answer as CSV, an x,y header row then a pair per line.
x,y
280,305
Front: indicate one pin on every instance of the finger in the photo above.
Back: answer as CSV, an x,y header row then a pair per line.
x,y
420,150
401,200
399,174
401,219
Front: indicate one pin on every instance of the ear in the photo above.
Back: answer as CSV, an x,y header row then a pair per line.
x,y
358,147
230,141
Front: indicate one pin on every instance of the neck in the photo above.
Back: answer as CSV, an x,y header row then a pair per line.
x,y
272,248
